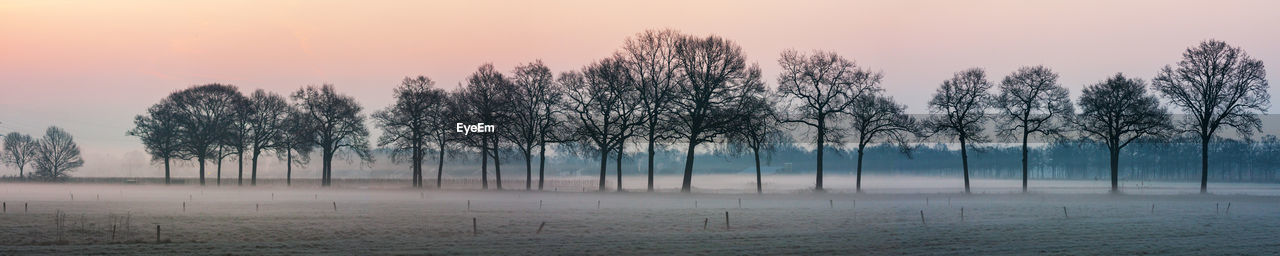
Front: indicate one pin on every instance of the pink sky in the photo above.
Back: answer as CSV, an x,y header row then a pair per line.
x,y
90,66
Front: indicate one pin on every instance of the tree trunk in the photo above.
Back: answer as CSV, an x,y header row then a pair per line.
x,y
1204,164
440,166
484,167
528,170
240,164
1115,170
201,160
288,167
618,167
652,137
759,186
964,162
822,132
326,178
218,179
604,164
166,170
417,165
687,185
1024,162
497,166
858,182
542,162
253,167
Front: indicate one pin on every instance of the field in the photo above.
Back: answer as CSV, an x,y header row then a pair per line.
x,y
355,220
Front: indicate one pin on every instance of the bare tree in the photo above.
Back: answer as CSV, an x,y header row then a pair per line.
x,y
335,124
818,88
759,130
205,114
554,129
651,58
408,124
959,109
535,91
295,138
266,126
1118,111
236,140
453,109
875,118
158,130
56,155
1031,103
19,149
598,101
715,75
223,152
488,96
1218,86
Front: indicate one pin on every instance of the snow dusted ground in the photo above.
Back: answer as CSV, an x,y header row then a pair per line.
x,y
277,220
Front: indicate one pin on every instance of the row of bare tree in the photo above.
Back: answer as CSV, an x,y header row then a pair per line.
x,y
54,156
669,89
215,121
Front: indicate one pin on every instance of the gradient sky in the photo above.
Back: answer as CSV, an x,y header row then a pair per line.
x,y
90,66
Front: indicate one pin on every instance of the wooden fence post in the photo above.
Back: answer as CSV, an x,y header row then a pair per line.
x,y
726,220
922,218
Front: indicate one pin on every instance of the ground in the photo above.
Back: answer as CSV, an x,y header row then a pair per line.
x,y
279,220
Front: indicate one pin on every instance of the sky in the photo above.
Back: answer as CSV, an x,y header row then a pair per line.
x,y
91,66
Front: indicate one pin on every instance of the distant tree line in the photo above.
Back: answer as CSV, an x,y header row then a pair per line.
x,y
666,91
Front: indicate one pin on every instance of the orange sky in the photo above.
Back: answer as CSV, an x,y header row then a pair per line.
x,y
90,66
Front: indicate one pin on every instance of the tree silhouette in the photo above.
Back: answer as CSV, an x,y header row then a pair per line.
x,y
532,119
295,137
158,130
959,109
1031,102
205,117
818,88
454,109
236,140
488,98
222,152
874,118
1117,112
56,155
716,78
335,125
410,122
758,130
19,149
651,58
600,104
266,126
1217,85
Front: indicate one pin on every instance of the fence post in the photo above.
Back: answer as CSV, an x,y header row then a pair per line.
x,y
922,218
726,220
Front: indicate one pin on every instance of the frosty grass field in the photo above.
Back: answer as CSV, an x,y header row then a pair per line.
x,y
1069,217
